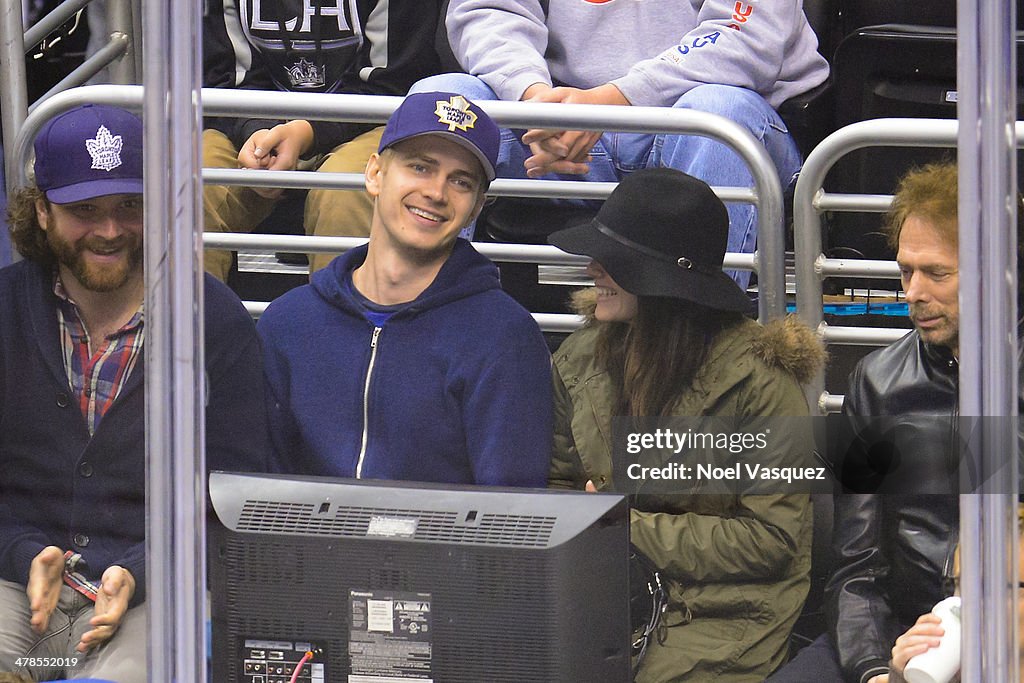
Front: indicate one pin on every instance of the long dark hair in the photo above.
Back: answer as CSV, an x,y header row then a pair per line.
x,y
654,359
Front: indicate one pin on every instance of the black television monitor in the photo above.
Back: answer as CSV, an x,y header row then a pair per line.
x,y
397,582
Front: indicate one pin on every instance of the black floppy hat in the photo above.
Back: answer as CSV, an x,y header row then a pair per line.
x,y
662,233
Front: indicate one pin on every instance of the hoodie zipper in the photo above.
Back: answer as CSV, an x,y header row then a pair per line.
x,y
366,402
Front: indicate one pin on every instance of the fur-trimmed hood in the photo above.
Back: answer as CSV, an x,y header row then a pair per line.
x,y
788,344
791,345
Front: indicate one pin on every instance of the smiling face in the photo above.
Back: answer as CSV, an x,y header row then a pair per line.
x,y
425,190
614,304
929,271
97,242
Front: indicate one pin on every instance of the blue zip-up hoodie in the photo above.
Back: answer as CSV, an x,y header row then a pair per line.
x,y
454,388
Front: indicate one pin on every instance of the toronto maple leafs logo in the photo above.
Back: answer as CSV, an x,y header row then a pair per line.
x,y
455,113
105,150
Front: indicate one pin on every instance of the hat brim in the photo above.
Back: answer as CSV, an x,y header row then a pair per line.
x,y
642,275
94,188
485,163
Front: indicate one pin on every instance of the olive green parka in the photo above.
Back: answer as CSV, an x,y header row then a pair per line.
x,y
737,565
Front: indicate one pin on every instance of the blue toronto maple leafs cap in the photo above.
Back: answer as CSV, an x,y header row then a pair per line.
x,y
450,115
89,151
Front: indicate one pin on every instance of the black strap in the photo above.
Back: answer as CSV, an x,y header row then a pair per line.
x,y
681,261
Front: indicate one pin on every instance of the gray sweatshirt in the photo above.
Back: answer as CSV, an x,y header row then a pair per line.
x,y
652,50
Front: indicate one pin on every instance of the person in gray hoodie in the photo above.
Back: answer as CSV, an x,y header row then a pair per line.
x,y
737,58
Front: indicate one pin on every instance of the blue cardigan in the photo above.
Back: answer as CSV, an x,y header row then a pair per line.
x,y
460,389
60,487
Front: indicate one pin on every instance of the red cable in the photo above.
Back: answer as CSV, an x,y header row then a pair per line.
x,y
298,667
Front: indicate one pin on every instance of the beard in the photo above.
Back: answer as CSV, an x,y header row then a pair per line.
x,y
945,334
97,278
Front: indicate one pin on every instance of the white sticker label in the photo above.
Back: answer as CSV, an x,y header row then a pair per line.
x,y
389,527
270,644
380,616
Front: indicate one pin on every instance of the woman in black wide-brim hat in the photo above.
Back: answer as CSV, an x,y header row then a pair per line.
x,y
667,336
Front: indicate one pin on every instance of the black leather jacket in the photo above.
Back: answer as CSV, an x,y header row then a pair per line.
x,y
897,521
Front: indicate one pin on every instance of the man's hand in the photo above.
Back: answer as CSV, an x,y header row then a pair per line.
x,y
276,149
45,577
116,589
560,151
880,678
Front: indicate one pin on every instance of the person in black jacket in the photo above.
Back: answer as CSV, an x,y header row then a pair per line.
x,y
897,518
368,47
928,631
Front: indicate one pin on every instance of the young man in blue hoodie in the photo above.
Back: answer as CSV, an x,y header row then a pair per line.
x,y
404,359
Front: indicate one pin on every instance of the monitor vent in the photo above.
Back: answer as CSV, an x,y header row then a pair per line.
x,y
271,516
502,530
432,526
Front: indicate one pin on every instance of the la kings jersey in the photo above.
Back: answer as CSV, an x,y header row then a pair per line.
x,y
371,47
308,45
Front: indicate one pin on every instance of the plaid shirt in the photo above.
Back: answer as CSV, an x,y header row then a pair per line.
x,y
96,378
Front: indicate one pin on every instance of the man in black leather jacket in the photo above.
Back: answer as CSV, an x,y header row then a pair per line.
x,y
897,518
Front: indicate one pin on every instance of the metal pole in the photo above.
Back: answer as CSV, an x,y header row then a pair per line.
x,y
987,80
12,82
119,23
860,336
174,353
136,37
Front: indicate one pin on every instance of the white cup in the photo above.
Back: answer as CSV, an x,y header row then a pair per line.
x,y
939,664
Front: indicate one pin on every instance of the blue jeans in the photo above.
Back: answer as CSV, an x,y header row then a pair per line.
x,y
617,154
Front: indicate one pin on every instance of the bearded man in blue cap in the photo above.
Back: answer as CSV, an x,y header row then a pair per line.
x,y
72,419
403,359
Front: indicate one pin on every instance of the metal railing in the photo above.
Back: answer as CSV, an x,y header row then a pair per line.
x,y
768,261
508,253
810,201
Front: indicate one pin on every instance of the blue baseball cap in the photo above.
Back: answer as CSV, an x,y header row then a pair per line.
x,y
89,151
449,115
